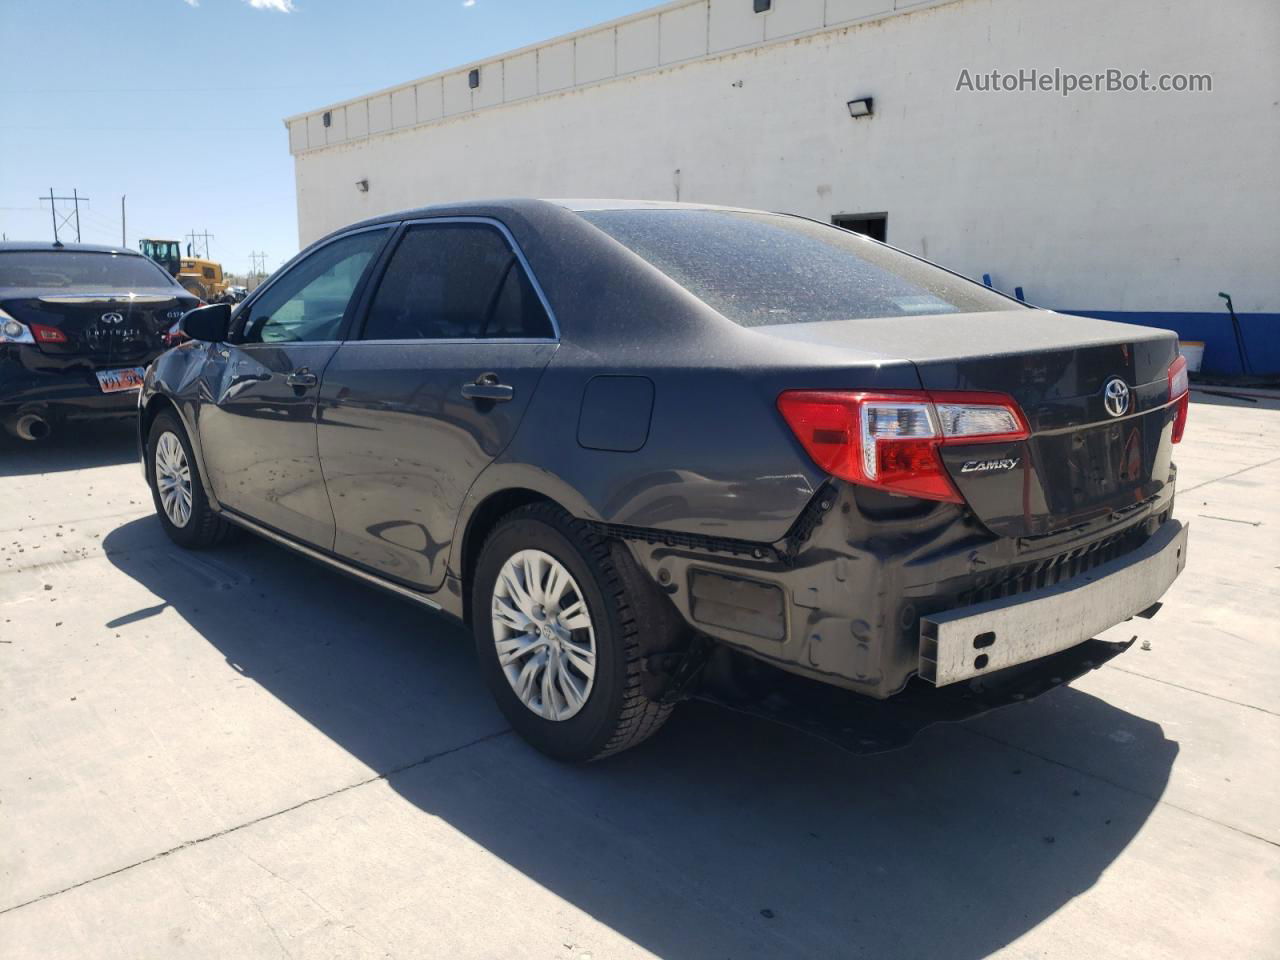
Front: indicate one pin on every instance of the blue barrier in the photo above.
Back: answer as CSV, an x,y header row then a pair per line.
x,y
1260,331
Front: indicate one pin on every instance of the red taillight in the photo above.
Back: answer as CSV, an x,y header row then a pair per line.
x,y
1179,393
891,440
46,334
174,335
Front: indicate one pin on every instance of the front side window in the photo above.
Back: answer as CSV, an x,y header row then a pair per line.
x,y
310,301
760,269
455,281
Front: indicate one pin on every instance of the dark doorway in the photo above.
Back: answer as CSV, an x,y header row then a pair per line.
x,y
873,225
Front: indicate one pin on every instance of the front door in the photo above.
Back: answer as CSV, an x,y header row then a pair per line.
x,y
430,390
258,425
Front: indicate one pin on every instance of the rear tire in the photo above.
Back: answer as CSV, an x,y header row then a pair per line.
x,y
176,487
601,710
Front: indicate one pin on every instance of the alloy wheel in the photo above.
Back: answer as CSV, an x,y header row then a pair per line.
x,y
543,633
173,479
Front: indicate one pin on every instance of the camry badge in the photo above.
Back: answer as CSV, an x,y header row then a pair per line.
x,y
1115,397
988,466
112,318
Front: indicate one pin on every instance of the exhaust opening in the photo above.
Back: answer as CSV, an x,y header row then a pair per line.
x,y
30,427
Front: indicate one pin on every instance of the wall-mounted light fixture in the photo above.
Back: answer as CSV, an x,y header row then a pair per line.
x,y
473,78
763,6
861,108
362,186
327,118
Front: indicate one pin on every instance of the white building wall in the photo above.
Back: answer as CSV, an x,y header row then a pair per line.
x,y
1106,201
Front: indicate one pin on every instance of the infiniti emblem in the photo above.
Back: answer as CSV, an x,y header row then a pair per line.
x,y
112,318
1115,397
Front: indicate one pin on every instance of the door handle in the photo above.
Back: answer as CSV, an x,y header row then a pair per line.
x,y
302,378
487,387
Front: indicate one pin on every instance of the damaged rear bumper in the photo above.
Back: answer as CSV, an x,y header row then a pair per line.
x,y
960,644
842,599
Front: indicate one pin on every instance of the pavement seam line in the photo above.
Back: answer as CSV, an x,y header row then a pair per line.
x,y
186,844
1203,693
1234,473
1119,786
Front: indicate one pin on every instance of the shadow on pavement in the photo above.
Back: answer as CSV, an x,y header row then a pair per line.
x,y
75,446
1226,397
723,836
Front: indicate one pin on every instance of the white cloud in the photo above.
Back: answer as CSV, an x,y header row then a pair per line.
x,y
281,6
192,3
465,3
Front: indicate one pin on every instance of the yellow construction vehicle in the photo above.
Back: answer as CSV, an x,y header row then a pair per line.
x,y
202,277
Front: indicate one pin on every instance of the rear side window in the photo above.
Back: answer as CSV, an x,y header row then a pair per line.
x,y
760,269
67,270
455,281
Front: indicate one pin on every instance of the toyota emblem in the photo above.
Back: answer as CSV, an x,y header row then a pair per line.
x,y
1115,396
112,318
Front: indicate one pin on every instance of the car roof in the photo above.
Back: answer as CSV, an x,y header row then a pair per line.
x,y
583,206
27,246
525,204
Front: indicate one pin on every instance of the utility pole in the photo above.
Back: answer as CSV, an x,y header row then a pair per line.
x,y
62,219
123,241
193,237
259,264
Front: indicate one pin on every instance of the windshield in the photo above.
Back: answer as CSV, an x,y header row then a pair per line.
x,y
104,272
760,269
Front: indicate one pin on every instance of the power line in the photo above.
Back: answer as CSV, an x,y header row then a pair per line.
x,y
101,228
204,238
259,264
62,219
92,218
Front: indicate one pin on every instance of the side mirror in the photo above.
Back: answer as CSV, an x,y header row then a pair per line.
x,y
209,323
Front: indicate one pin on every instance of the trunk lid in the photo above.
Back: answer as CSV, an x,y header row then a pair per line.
x,y
102,330
1082,461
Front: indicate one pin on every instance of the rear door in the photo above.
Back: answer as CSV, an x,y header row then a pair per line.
x,y
428,392
258,422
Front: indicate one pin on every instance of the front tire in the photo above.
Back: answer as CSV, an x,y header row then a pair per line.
x,y
176,489
557,613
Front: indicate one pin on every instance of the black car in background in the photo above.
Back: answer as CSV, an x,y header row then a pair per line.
x,y
651,449
79,324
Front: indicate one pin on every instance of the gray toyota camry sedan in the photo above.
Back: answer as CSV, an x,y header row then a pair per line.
x,y
651,451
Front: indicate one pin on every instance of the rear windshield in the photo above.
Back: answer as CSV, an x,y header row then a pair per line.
x,y
100,272
760,269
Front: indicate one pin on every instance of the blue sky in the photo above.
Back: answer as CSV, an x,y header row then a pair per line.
x,y
178,104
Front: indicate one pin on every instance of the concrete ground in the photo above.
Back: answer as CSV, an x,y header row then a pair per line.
x,y
240,754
